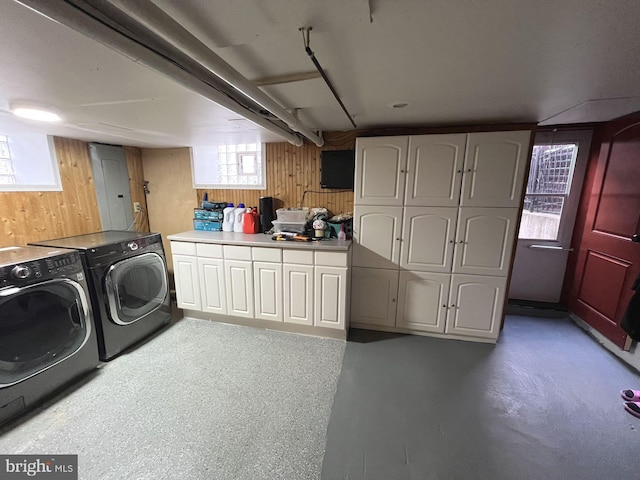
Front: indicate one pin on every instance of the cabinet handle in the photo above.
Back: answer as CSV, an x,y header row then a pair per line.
x,y
460,241
453,305
458,171
399,239
393,299
402,171
450,241
444,306
469,170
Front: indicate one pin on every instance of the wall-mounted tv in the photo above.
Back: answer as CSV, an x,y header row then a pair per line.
x,y
337,169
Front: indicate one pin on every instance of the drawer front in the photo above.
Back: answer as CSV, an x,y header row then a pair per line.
x,y
209,250
301,257
183,248
235,252
331,259
261,254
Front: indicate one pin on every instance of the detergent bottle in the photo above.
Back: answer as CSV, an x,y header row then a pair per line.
x,y
249,222
228,218
256,220
238,218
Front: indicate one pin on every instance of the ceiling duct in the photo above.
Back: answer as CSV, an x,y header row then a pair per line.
x,y
106,24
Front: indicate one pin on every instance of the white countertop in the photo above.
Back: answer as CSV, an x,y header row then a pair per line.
x,y
257,240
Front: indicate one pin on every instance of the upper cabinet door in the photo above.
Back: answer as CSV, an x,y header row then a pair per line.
x,y
376,236
428,234
494,169
434,172
484,241
381,164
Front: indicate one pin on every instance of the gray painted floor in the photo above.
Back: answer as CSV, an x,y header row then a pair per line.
x,y
542,404
199,401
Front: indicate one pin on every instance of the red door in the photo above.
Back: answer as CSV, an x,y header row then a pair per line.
x,y
609,260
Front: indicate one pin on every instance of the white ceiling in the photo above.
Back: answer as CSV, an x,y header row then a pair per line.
x,y
455,62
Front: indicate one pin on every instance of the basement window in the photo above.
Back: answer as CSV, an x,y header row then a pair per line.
x,y
548,189
28,163
236,166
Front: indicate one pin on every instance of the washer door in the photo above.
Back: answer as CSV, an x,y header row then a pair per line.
x,y
40,325
136,287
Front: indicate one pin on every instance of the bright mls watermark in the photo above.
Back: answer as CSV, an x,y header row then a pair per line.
x,y
52,467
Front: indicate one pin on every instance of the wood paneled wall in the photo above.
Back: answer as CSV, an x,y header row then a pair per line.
x,y
136,186
32,216
171,198
291,171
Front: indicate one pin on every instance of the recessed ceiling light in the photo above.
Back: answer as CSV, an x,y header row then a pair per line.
x,y
398,105
33,112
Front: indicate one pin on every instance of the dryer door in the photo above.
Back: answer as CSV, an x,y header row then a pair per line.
x,y
136,287
40,325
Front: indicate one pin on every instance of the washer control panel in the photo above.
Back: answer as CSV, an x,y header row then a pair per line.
x,y
40,270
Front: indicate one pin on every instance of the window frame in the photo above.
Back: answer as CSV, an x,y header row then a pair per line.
x,y
260,164
34,187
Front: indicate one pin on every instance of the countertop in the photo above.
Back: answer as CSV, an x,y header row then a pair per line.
x,y
257,240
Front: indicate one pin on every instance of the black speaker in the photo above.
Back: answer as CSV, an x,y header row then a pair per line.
x,y
266,214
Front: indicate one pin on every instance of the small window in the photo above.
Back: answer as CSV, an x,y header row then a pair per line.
x,y
28,163
229,166
547,190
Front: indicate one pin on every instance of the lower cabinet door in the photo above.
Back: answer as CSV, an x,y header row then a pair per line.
x,y
330,285
373,296
185,272
476,304
212,290
238,276
422,301
267,283
298,294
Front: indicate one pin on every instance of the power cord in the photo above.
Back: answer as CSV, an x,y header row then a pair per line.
x,y
304,194
135,219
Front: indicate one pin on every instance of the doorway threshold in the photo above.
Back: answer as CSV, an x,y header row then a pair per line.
x,y
536,309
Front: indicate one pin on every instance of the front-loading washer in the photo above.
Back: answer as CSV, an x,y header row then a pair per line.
x,y
128,280
47,338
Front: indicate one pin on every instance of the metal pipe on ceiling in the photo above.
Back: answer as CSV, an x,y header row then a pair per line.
x,y
155,19
72,17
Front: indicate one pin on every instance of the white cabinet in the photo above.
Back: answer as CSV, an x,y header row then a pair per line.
x,y
373,296
268,290
298,288
456,223
376,234
484,241
423,301
330,284
239,283
185,271
494,169
380,170
298,294
212,285
428,235
434,170
475,305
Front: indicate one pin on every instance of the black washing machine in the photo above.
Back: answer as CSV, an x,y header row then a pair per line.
x,y
128,280
47,336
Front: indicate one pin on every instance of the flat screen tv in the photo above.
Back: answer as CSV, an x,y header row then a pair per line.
x,y
337,169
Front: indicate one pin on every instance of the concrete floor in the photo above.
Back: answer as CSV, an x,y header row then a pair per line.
x,y
542,404
232,402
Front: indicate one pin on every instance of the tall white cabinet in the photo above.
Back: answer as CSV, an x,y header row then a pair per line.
x,y
434,229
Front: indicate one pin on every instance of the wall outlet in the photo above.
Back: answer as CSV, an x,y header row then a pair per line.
x,y
137,207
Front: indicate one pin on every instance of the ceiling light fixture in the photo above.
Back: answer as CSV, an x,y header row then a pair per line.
x,y
399,105
33,112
